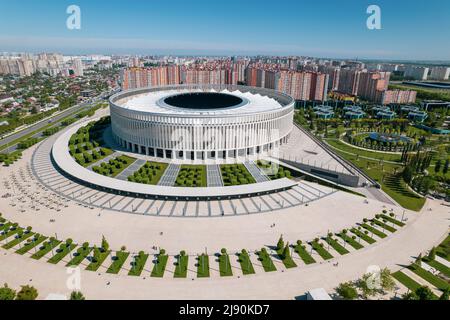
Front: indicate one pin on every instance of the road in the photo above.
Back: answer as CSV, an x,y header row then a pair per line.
x,y
54,120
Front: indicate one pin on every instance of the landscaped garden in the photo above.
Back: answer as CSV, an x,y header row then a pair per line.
x,y
118,261
114,166
86,146
95,258
235,174
192,176
203,266
273,170
149,173
160,264
181,265
138,263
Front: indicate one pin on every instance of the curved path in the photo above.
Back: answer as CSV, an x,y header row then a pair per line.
x,y
427,230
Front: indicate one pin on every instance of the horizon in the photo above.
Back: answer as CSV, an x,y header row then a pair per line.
x,y
323,29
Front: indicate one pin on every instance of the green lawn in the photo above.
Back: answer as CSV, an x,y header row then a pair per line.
x,y
348,239
386,174
31,243
245,262
303,254
192,176
224,265
79,256
160,266
46,248
137,265
181,266
443,250
336,245
429,277
365,153
5,225
439,266
62,252
10,232
235,174
363,236
383,225
114,167
321,251
266,261
406,281
118,260
393,220
17,240
203,266
149,173
287,260
96,263
374,231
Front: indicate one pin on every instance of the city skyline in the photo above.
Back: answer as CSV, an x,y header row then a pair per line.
x,y
324,29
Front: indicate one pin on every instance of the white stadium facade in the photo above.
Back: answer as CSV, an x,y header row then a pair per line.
x,y
201,122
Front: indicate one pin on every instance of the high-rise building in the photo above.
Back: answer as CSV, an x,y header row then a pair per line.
x,y
349,81
78,69
304,86
416,73
396,96
133,78
440,73
371,82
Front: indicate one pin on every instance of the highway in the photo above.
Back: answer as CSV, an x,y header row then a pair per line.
x,y
54,120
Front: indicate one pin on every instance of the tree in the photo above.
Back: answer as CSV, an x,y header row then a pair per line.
x,y
387,281
446,165
286,251
77,295
407,174
410,296
432,254
280,244
365,284
27,293
437,166
6,293
445,295
347,291
424,293
105,244
418,261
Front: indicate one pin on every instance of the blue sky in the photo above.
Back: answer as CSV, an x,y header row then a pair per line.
x,y
327,28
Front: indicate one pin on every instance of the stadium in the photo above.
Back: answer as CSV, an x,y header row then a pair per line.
x,y
201,123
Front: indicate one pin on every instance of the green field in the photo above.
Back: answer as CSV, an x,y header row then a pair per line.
x,y
118,260
303,254
386,174
266,261
181,266
149,173
321,251
63,250
192,176
203,266
336,245
245,262
138,263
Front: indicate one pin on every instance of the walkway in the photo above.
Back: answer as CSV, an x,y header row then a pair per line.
x,y
170,175
426,231
214,176
254,170
132,168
